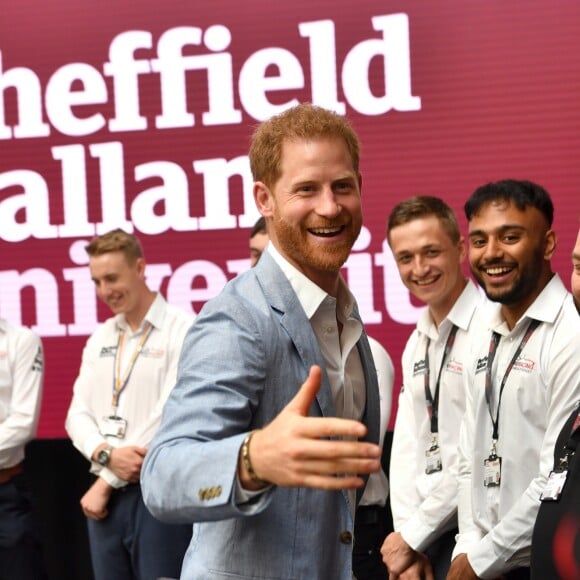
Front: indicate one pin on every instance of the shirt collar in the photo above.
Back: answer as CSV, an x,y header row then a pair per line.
x,y
154,315
460,314
309,294
544,308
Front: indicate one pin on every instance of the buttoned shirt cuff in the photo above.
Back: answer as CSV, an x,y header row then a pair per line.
x,y
484,561
416,533
111,478
464,542
91,443
243,496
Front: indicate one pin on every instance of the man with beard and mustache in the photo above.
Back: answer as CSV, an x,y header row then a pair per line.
x,y
373,520
522,382
272,427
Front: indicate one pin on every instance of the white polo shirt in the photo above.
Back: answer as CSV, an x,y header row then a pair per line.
x,y
496,523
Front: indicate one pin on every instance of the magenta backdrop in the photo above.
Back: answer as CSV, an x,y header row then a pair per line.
x,y
133,114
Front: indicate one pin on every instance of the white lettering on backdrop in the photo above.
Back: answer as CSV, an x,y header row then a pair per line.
x,y
69,104
76,85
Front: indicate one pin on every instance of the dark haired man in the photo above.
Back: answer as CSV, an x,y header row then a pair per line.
x,y
522,381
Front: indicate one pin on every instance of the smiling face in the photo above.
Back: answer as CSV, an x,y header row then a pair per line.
x,y
121,285
314,209
509,254
429,263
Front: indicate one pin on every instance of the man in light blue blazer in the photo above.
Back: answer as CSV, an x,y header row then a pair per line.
x,y
270,432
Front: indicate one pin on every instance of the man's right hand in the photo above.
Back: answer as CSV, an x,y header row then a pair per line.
x,y
126,462
296,450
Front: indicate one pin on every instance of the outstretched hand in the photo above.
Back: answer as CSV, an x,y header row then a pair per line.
x,y
319,452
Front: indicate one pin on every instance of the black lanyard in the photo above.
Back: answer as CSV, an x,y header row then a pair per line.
x,y
433,401
495,338
572,440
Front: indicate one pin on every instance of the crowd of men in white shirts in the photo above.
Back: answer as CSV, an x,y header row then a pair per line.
x,y
490,375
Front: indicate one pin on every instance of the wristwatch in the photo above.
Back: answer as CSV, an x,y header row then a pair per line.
x,y
104,455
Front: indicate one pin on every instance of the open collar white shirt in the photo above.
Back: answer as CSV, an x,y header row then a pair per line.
x,y
496,523
343,364
425,505
341,357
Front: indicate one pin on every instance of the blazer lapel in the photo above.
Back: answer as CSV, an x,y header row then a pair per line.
x,y
371,415
283,300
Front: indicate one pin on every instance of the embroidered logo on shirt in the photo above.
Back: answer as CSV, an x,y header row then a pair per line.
x,y
524,364
149,352
108,351
419,368
481,365
454,366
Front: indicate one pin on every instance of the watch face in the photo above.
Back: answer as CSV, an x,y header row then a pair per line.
x,y
103,457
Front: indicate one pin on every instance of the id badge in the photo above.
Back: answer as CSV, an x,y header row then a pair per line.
x,y
114,426
554,485
492,471
433,460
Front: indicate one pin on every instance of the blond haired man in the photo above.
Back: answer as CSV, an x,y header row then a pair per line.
x,y
128,368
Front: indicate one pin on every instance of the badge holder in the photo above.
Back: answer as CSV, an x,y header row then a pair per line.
x,y
492,468
114,426
433,457
556,481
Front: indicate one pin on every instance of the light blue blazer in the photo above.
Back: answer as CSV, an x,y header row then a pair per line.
x,y
242,361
